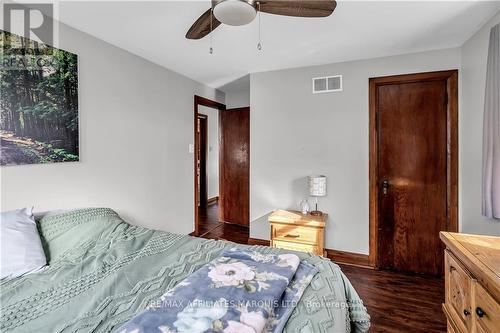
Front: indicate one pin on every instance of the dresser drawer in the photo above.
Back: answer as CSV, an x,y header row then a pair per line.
x,y
296,247
487,311
458,283
299,234
451,328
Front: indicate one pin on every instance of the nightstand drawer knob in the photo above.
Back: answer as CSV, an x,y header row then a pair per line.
x,y
292,236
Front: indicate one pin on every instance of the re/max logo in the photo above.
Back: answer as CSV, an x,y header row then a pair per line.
x,y
30,20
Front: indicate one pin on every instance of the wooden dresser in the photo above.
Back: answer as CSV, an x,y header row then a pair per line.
x,y
295,231
472,282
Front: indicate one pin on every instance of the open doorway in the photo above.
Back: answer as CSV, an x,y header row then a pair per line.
x,y
208,168
221,166
207,181
202,167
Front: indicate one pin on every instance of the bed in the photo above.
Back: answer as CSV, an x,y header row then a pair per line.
x,y
102,271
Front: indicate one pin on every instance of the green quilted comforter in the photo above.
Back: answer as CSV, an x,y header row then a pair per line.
x,y
102,271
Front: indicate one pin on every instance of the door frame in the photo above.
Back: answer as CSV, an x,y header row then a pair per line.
x,y
451,77
198,100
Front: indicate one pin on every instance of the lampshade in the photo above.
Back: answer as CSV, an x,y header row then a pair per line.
x,y
317,186
234,12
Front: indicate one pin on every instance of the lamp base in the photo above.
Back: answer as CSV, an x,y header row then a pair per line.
x,y
316,213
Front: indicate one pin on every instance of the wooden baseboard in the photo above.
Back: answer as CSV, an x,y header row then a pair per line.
x,y
212,201
349,258
256,241
341,257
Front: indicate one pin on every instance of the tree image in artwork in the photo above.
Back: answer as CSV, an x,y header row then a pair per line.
x,y
38,102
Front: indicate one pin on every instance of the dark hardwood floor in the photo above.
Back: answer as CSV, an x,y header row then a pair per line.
x,y
399,302
396,302
208,219
210,227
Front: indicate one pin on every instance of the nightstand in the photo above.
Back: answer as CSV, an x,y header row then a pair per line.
x,y
295,231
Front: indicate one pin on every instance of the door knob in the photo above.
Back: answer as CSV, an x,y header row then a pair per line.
x,y
385,186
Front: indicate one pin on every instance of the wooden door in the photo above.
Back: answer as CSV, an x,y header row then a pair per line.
x,y
202,138
415,175
234,155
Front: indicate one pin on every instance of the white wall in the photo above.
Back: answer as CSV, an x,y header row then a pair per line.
x,y
213,150
295,133
136,122
473,82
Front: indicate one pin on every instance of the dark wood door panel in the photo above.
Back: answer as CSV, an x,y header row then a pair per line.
x,y
412,171
235,165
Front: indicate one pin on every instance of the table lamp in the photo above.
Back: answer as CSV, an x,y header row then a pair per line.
x,y
317,188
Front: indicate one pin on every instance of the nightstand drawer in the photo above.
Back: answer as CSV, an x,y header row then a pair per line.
x,y
296,234
295,246
295,231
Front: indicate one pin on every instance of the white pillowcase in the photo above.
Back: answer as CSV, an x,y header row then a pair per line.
x,y
21,248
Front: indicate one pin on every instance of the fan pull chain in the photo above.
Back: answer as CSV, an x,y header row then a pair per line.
x,y
259,45
211,50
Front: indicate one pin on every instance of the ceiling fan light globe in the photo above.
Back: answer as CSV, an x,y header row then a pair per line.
x,y
234,12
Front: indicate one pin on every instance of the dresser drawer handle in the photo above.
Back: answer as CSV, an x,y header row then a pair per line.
x,y
480,313
292,236
452,269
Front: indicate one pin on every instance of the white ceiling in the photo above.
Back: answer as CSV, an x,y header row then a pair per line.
x,y
356,30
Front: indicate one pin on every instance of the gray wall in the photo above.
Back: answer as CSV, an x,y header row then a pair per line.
x,y
136,122
472,82
295,133
237,98
237,92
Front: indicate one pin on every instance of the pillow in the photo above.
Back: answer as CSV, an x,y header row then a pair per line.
x,y
39,215
21,248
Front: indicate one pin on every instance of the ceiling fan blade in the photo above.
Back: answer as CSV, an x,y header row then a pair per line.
x,y
201,27
300,8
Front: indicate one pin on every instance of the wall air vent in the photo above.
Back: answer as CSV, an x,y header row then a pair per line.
x,y
327,84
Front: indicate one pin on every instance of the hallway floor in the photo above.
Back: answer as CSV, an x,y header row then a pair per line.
x,y
211,227
208,219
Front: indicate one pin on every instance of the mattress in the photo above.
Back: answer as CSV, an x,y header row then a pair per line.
x,y
102,271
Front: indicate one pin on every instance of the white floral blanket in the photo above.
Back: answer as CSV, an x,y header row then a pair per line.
x,y
238,292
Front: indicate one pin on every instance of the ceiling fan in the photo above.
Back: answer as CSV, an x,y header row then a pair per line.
x,y
241,12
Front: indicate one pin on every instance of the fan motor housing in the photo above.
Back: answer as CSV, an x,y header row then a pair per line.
x,y
234,12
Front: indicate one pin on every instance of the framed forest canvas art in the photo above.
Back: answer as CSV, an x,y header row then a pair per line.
x,y
38,102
